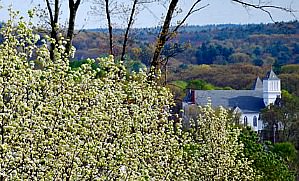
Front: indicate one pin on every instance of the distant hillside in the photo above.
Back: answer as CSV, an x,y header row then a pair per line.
x,y
258,44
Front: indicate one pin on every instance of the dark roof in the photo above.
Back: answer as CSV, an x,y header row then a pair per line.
x,y
271,75
247,100
258,84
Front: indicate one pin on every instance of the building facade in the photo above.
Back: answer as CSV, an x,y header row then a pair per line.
x,y
247,103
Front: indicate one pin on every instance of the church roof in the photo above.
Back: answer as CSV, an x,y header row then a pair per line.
x,y
271,75
249,101
258,84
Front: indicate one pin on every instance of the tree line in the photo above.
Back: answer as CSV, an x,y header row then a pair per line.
x,y
111,9
264,44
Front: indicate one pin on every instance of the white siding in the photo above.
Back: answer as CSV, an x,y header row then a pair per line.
x,y
250,117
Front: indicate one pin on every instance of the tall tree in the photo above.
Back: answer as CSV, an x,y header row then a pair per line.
x,y
53,8
127,10
166,33
282,119
265,160
73,7
107,10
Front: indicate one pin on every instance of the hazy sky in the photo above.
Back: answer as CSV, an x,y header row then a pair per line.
x,y
218,12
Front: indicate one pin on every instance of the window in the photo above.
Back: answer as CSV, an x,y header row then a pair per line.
x,y
245,121
255,121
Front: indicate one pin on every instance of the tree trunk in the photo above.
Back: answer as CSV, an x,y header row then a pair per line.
x,y
54,24
73,7
128,29
156,64
109,27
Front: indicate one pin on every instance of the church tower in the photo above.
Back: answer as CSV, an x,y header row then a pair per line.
x,y
271,88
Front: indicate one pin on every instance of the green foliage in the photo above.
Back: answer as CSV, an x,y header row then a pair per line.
x,y
272,116
289,69
134,66
277,67
237,76
290,82
240,58
212,44
285,113
209,53
181,84
200,85
267,163
285,150
183,66
290,78
76,64
286,95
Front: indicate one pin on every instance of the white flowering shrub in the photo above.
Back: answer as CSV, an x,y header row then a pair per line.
x,y
215,153
63,124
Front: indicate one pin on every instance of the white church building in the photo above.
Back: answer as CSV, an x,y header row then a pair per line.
x,y
248,103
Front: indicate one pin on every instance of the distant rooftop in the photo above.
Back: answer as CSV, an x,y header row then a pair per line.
x,y
247,100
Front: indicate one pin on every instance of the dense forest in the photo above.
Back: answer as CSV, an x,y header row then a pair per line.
x,y
227,55
257,44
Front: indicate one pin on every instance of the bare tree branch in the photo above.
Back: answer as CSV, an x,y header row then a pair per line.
x,y
190,12
166,35
50,11
130,22
265,7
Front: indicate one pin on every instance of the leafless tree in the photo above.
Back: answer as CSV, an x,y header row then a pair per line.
x,y
167,32
130,22
109,27
53,8
129,12
73,7
106,8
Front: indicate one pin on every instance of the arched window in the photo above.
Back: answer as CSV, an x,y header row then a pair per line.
x,y
255,121
245,121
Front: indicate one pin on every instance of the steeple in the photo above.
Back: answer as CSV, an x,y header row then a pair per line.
x,y
271,88
258,84
271,75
